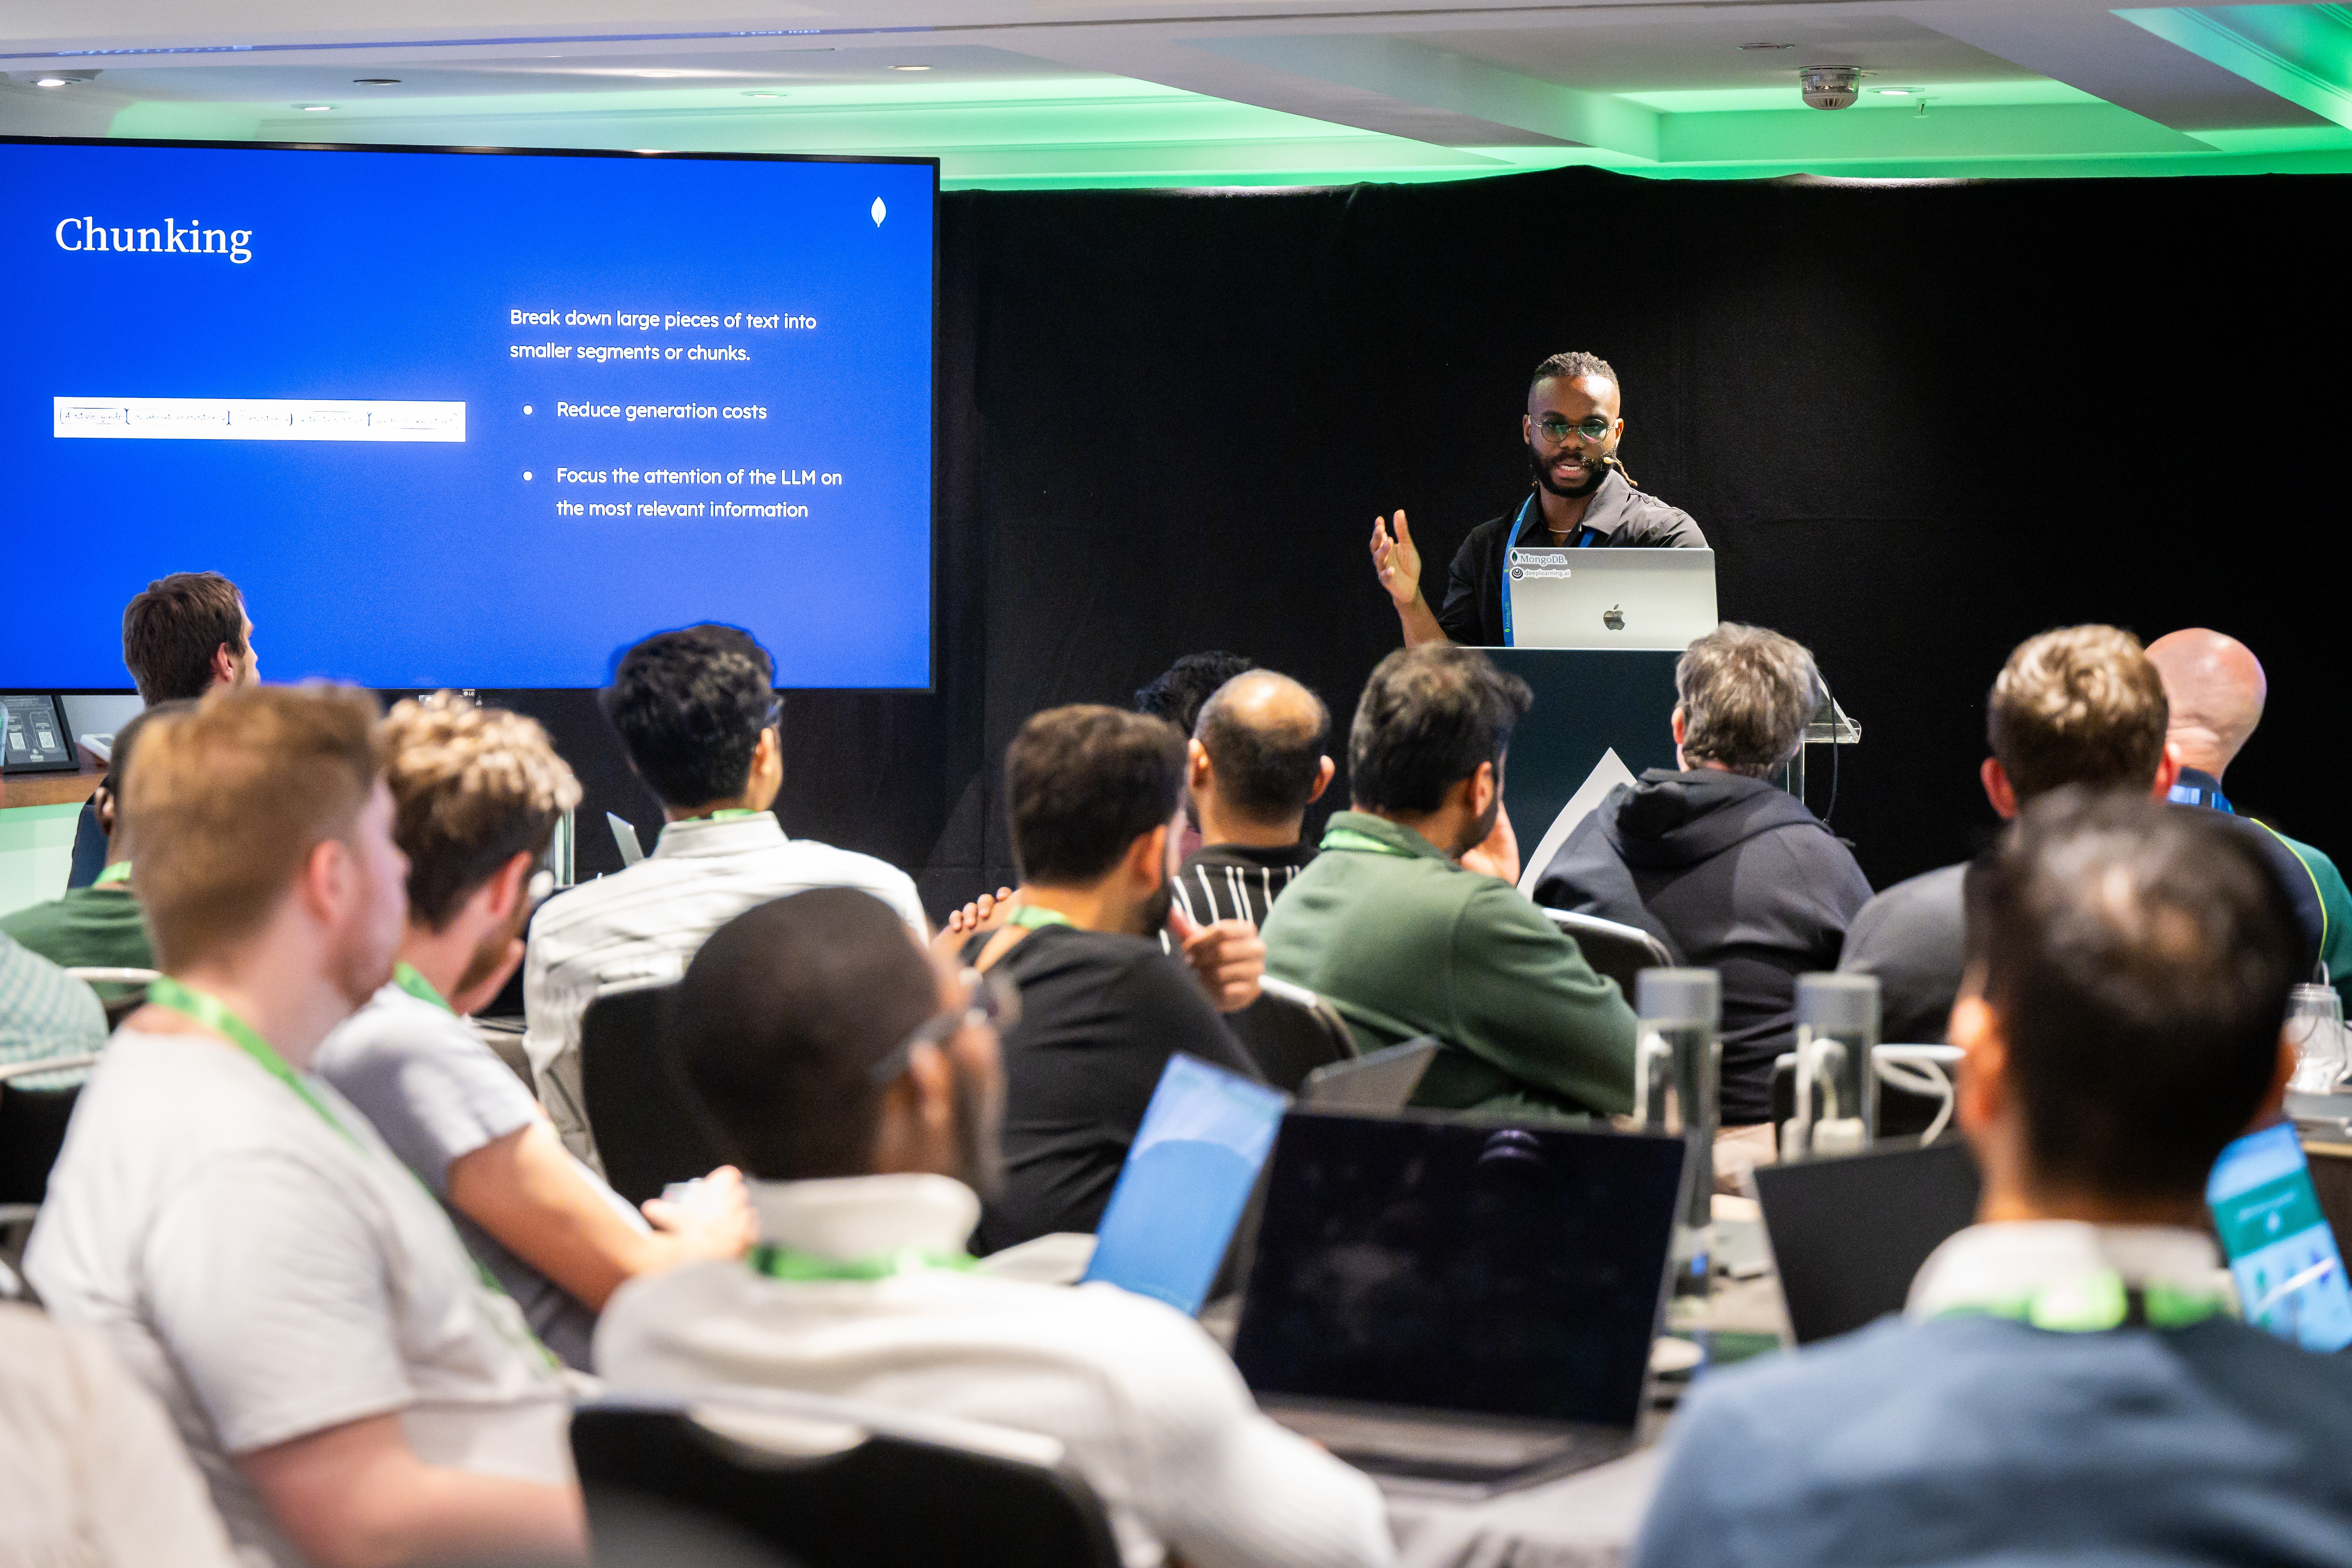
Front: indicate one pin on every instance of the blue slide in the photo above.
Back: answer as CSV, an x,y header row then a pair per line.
x,y
468,419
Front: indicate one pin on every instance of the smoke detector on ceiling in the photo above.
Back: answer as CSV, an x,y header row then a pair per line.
x,y
1829,87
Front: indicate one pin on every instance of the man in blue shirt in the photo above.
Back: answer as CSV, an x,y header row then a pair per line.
x,y
2066,1385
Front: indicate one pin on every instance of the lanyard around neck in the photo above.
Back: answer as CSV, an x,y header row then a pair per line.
x,y
800,1268
118,872
197,1006
1348,838
1031,917
404,976
2095,1302
209,1011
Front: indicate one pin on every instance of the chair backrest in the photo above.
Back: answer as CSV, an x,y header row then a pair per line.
x,y
1289,1032
32,1130
647,1132
826,1492
1616,951
121,992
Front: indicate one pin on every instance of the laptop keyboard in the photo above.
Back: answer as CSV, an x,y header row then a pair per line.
x,y
1443,1449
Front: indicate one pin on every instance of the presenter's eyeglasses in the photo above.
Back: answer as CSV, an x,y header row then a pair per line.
x,y
1556,430
990,998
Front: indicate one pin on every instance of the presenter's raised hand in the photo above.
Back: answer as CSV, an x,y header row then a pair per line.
x,y
1396,561
1228,958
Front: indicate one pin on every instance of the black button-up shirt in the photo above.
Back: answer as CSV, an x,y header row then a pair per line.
x,y
1619,517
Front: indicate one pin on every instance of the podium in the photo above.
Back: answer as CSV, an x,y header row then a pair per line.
x,y
1590,702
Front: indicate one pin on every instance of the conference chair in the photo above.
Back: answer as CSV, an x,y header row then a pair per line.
x,y
830,1483
1617,951
648,1131
119,1007
1289,1032
32,1131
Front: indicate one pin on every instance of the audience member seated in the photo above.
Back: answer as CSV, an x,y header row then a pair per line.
x,y
1254,765
859,1084
1403,940
1729,870
44,1012
696,713
351,1390
2081,705
91,1475
182,637
476,794
100,926
1091,799
2215,690
1176,695
2068,1384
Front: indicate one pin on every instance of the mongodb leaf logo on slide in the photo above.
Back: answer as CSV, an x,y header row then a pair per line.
x,y
168,238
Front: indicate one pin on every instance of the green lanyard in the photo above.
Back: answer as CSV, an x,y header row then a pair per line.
x,y
190,1003
118,872
2096,1302
1348,838
729,815
404,976
1030,917
195,1005
802,1268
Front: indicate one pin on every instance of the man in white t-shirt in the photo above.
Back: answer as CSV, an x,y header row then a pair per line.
x,y
859,1081
477,792
91,1475
350,1386
696,711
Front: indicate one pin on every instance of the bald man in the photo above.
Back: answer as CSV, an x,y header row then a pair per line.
x,y
2215,688
1255,765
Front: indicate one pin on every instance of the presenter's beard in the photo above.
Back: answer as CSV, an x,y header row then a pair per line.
x,y
1595,470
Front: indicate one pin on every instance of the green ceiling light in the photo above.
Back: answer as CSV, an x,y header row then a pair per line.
x,y
762,93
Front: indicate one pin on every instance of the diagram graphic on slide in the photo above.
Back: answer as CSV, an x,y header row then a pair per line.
x,y
470,419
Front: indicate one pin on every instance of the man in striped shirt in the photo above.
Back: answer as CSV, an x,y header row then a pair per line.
x,y
1254,764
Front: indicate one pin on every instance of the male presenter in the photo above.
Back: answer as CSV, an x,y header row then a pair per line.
x,y
1581,500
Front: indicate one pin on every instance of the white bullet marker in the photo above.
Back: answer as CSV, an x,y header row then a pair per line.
x,y
878,209
526,473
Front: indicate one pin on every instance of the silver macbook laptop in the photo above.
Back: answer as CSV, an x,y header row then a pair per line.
x,y
1646,599
1460,1306
1380,1082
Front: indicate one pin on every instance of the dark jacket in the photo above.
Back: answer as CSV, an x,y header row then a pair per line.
x,y
1732,874
1619,517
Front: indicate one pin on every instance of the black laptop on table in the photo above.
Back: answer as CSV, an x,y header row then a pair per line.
x,y
1457,1304
1849,1232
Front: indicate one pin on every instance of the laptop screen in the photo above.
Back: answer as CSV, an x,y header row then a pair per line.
x,y
1188,1175
1458,1266
1849,1232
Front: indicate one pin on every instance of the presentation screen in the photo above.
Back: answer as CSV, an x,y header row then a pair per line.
x,y
475,419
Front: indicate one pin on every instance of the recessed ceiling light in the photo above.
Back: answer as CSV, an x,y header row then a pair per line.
x,y
1768,45
51,81
910,68
763,95
660,76
1895,92
314,108
375,81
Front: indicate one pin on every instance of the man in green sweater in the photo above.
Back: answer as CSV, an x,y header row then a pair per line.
x,y
1403,940
100,926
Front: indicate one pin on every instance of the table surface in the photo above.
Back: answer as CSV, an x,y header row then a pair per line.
x,y
53,789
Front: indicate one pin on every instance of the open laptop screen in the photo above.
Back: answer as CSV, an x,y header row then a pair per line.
x,y
1188,1175
1458,1266
1849,1232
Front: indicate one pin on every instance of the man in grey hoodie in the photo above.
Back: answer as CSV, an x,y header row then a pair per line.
x,y
1730,871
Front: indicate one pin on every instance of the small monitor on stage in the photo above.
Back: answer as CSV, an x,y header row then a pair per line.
x,y
1655,600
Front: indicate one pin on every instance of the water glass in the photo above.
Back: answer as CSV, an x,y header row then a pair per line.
x,y
2315,1027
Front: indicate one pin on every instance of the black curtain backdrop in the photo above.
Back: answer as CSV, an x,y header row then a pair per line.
x,y
1918,424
